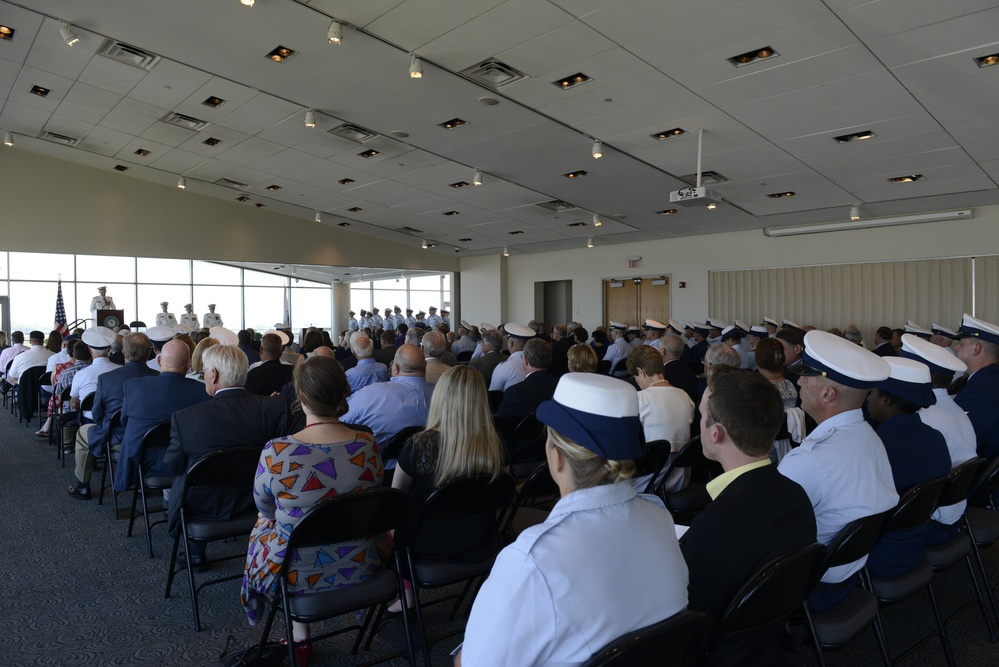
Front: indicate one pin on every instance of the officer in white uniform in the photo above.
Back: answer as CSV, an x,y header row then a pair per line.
x,y
842,464
653,332
771,326
485,326
916,330
410,320
189,318
165,318
634,337
352,322
389,320
366,322
379,323
715,325
605,561
510,372
446,319
433,319
619,349
732,336
101,302
159,336
212,319
789,323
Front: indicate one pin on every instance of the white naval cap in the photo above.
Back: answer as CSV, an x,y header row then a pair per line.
x,y
771,321
908,379
699,326
99,337
224,336
182,328
102,288
840,360
465,325
655,325
758,330
188,305
730,331
282,325
937,358
716,323
789,323
676,327
211,305
488,327
633,329
620,326
916,330
743,327
164,303
597,412
515,330
972,327
941,330
160,334
285,338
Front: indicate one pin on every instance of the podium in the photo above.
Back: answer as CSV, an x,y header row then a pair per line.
x,y
111,319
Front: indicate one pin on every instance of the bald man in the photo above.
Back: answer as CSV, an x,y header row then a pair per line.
x,y
388,407
150,401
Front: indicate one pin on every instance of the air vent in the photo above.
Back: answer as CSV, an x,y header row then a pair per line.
x,y
353,132
229,183
129,55
186,122
494,74
556,206
707,178
59,138
410,230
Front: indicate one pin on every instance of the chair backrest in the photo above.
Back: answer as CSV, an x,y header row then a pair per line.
x,y
114,424
603,367
774,592
464,357
916,505
959,482
350,516
158,437
88,402
233,466
854,540
691,455
674,642
656,454
985,484
538,489
394,446
45,378
495,398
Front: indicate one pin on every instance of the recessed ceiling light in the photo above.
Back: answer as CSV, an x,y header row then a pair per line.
x,y
214,102
212,141
488,101
465,240
38,90
273,188
780,195
910,178
450,213
752,56
335,33
984,61
6,32
280,54
345,181
668,134
242,198
453,123
343,224
355,209
142,152
460,184
667,211
369,153
516,233
577,224
576,174
399,134
570,81
854,136
120,167
259,205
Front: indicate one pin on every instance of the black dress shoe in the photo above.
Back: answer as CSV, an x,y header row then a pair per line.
x,y
199,563
80,492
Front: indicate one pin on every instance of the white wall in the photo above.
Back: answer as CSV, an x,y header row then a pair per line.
x,y
689,260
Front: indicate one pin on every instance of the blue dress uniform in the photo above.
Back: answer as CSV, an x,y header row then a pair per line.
x,y
980,399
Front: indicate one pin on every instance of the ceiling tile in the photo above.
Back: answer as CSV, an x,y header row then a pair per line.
x,y
228,138
356,12
132,116
23,119
176,160
234,94
870,115
563,46
105,141
168,134
69,127
58,86
964,33
111,75
87,103
920,124
413,24
169,84
127,152
51,54
249,151
258,114
27,24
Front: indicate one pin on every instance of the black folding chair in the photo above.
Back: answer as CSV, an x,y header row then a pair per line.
x,y
73,417
656,455
495,397
465,511
686,504
110,461
531,504
392,449
44,380
28,388
345,518
464,357
227,470
982,522
158,437
603,367
529,435
677,641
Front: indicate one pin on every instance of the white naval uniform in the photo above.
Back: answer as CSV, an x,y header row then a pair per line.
x,y
190,319
508,373
352,324
947,417
212,320
100,303
166,320
433,321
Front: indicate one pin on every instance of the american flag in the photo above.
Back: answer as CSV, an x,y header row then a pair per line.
x,y
60,314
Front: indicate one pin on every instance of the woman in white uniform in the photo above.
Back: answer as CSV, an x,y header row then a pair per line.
x,y
605,562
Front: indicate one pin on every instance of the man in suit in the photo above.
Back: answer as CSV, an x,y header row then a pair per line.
x,y
882,343
386,353
523,398
271,374
108,399
434,346
151,400
674,370
235,418
757,514
979,396
492,343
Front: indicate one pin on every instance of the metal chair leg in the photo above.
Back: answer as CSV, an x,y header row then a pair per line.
x,y
948,652
172,570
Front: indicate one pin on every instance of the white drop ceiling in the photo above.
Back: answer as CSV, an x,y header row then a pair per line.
x,y
904,69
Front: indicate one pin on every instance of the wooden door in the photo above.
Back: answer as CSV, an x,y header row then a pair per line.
x,y
634,300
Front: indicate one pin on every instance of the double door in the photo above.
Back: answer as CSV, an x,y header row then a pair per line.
x,y
634,300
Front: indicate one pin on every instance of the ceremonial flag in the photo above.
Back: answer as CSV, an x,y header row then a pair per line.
x,y
60,313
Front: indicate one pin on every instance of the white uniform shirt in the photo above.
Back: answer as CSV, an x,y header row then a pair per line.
x,y
508,373
603,563
365,323
948,418
166,320
666,413
653,343
379,322
617,351
748,356
190,319
212,320
478,351
352,324
433,321
843,467
85,381
100,303
36,355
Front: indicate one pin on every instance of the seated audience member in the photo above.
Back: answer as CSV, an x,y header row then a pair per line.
x,y
618,350
311,340
386,353
35,356
510,372
582,359
367,371
197,355
882,343
492,343
468,340
235,418
246,345
151,400
108,400
8,354
841,465
271,374
561,342
666,412
916,452
61,380
159,336
434,347
523,398
756,514
978,348
675,371
388,407
580,335
99,340
599,342
852,333
329,458
402,332
770,364
946,417
603,547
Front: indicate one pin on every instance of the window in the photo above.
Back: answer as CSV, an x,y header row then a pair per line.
x,y
40,266
310,308
33,305
210,273
102,269
174,271
261,279
150,297
122,293
228,304
264,307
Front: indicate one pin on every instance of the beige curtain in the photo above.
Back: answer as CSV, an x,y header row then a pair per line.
x,y
868,295
986,280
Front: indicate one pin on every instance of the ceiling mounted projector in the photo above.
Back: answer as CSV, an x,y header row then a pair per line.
x,y
695,196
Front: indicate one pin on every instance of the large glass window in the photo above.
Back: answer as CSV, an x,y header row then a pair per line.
x,y
210,273
310,308
102,269
228,303
261,279
174,271
33,305
360,297
150,297
264,307
40,266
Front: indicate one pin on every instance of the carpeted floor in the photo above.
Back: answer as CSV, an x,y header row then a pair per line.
x,y
77,592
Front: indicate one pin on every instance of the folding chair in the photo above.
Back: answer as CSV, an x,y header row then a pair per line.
x,y
158,437
677,641
345,518
45,379
982,523
656,455
686,504
392,449
531,504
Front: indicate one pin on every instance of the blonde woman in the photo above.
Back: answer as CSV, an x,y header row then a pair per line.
x,y
197,365
582,359
604,562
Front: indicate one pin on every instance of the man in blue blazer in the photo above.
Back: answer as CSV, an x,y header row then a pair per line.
x,y
148,401
979,397
523,398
